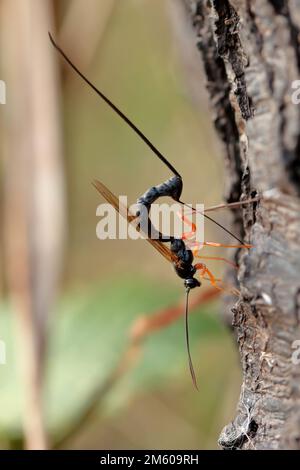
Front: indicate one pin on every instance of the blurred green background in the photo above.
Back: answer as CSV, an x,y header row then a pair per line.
x,y
106,285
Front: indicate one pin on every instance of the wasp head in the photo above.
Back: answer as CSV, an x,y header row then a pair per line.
x,y
191,283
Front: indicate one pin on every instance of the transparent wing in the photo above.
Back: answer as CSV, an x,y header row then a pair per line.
x,y
114,201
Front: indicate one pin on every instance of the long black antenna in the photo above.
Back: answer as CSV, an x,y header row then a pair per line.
x,y
224,228
117,110
187,338
133,126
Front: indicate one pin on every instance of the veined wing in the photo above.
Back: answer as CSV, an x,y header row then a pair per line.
x,y
122,210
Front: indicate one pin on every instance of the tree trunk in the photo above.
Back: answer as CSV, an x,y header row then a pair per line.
x,y
251,56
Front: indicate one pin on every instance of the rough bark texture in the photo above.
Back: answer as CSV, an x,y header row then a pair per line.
x,y
251,55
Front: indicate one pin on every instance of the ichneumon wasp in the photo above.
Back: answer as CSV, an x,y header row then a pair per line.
x,y
179,254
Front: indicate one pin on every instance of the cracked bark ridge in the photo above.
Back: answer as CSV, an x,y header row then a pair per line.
x,y
251,55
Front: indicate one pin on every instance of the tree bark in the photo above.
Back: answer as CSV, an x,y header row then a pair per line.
x,y
251,56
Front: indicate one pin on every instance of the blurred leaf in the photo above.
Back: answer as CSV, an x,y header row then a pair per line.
x,y
88,337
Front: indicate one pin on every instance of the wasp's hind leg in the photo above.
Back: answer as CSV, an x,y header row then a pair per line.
x,y
205,273
216,258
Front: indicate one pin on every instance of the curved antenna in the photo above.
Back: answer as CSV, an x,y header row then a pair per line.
x,y
187,338
117,110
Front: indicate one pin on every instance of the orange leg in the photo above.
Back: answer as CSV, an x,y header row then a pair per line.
x,y
227,246
191,234
188,235
207,279
205,271
215,244
231,263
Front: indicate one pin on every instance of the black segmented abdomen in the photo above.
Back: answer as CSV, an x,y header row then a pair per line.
x,y
172,187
